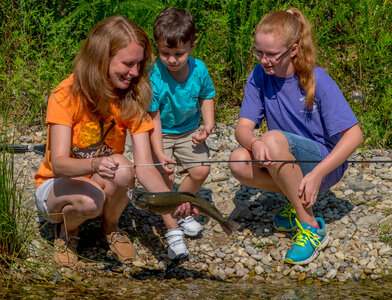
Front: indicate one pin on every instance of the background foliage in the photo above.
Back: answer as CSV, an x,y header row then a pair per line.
x,y
39,40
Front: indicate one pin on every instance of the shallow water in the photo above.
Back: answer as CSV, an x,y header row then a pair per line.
x,y
105,288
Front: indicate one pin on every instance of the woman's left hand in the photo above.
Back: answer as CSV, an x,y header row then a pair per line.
x,y
184,210
308,188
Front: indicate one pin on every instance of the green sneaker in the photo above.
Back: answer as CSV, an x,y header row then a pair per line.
x,y
309,241
284,219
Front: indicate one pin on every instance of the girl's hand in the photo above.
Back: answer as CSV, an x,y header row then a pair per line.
x,y
184,210
260,151
166,160
308,188
201,136
105,167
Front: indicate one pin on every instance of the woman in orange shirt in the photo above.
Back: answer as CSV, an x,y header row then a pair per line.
x,y
88,116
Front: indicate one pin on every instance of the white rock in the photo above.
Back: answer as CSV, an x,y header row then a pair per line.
x,y
331,274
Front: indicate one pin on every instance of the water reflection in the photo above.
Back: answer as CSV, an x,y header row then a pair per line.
x,y
106,288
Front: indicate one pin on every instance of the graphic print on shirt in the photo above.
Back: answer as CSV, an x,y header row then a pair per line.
x,y
306,109
92,139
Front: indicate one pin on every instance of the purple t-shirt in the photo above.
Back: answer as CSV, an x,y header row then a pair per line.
x,y
281,101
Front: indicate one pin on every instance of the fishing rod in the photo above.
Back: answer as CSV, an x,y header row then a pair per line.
x,y
206,162
40,149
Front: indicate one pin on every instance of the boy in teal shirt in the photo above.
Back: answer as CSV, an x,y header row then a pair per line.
x,y
183,91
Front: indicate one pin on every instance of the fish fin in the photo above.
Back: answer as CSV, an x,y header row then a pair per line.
x,y
230,226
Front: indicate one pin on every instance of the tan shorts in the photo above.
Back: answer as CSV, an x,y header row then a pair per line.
x,y
181,148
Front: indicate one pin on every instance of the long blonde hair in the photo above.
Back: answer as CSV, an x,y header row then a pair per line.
x,y
91,66
292,26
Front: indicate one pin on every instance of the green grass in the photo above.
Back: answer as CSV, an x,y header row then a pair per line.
x,y
386,234
40,39
14,215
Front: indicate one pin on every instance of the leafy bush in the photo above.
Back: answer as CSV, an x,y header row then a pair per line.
x,y
41,38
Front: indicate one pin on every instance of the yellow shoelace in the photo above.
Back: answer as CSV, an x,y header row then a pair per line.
x,y
303,235
288,212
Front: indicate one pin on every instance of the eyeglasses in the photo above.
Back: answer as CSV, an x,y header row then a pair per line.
x,y
271,58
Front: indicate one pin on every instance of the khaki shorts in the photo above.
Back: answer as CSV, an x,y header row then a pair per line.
x,y
181,148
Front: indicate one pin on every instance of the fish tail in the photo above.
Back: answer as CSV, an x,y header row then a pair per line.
x,y
229,226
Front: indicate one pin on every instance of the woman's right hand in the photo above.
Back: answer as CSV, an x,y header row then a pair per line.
x,y
105,167
260,151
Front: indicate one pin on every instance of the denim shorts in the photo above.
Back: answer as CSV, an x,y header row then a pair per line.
x,y
303,149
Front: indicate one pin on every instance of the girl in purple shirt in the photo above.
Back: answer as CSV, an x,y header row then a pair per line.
x,y
307,118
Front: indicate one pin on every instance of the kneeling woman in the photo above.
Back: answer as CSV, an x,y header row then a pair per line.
x,y
308,119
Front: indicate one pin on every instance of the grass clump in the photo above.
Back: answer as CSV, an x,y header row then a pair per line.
x,y
386,234
14,218
22,250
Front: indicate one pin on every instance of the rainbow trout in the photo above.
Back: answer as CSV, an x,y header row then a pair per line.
x,y
163,203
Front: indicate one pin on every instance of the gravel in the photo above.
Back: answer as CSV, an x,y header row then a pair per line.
x,y
355,210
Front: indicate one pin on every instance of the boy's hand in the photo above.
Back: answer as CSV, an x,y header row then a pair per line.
x,y
201,136
166,161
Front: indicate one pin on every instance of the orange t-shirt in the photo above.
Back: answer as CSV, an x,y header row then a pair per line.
x,y
91,136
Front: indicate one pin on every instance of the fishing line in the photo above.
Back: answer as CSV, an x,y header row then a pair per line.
x,y
207,162
40,149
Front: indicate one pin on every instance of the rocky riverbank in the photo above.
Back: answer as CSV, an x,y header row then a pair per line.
x,y
357,212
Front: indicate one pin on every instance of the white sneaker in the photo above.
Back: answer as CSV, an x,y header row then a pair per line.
x,y
176,247
190,225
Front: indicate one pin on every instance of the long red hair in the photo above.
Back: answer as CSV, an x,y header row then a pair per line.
x,y
91,66
293,28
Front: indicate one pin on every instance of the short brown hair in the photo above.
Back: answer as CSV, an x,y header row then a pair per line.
x,y
174,25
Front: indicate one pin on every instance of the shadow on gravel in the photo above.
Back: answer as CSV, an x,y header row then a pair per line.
x,y
91,248
144,228
255,209
149,230
173,271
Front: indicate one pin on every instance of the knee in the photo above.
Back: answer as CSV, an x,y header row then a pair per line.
x,y
199,173
237,168
124,176
240,154
90,206
276,143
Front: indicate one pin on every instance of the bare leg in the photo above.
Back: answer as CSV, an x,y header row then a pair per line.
x,y
116,193
75,201
281,177
194,180
169,221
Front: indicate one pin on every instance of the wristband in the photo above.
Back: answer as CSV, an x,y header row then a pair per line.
x,y
251,145
92,166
